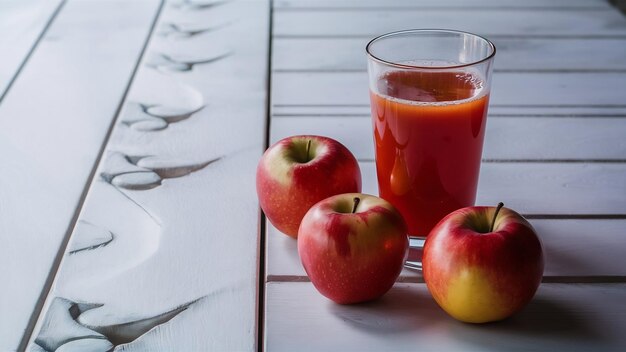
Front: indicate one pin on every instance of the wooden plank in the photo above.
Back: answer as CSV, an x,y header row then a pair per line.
x,y
573,188
165,253
573,248
566,189
519,54
401,4
557,190
549,138
561,317
52,125
507,138
561,189
514,91
21,24
488,22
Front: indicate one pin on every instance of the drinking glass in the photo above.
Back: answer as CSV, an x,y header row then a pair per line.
x,y
429,93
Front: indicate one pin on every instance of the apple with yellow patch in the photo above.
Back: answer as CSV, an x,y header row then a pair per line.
x,y
483,264
353,247
299,171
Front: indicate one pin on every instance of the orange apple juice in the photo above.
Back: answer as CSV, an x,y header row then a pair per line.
x,y
429,128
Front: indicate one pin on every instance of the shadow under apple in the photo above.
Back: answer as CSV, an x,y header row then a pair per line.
x,y
405,307
544,322
550,324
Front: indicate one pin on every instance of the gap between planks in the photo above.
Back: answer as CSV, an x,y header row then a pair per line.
x,y
262,219
41,302
31,50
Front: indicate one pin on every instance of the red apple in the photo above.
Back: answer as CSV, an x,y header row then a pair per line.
x,y
353,247
299,171
482,264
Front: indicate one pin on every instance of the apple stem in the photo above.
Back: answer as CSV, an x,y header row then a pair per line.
x,y
495,215
356,204
308,147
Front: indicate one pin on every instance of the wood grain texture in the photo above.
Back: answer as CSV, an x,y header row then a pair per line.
x,y
506,138
488,22
518,54
21,24
513,91
52,126
174,190
570,317
401,4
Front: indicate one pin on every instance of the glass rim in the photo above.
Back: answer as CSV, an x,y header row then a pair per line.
x,y
426,30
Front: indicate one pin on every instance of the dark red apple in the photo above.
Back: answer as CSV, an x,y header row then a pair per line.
x,y
353,247
299,171
482,264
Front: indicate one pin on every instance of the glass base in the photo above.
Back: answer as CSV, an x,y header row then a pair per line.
x,y
416,247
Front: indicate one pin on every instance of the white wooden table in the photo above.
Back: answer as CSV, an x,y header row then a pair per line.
x,y
130,133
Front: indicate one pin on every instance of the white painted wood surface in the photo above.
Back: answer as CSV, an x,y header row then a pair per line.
x,y
53,122
554,150
518,54
562,317
528,138
555,188
513,90
21,24
164,255
573,248
544,188
603,22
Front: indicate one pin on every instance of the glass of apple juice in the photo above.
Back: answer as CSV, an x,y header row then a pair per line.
x,y
429,93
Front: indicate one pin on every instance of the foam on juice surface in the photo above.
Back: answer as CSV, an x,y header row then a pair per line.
x,y
430,85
